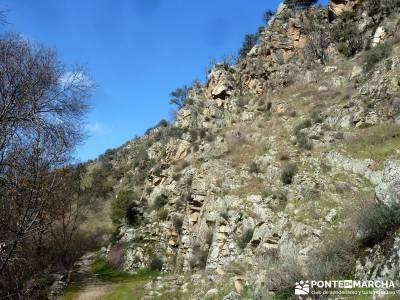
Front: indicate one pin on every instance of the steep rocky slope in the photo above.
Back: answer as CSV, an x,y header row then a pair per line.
x,y
263,164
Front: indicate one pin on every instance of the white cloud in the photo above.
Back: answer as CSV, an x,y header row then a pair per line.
x,y
75,78
96,128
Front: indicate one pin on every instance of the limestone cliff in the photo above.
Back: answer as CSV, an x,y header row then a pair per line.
x,y
261,164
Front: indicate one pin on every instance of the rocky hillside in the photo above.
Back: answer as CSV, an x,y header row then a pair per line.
x,y
282,167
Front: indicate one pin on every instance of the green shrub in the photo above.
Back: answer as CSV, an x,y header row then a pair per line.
x,y
162,214
288,173
199,257
242,101
162,123
291,112
245,238
282,201
133,213
225,215
202,133
317,117
267,114
175,132
196,147
237,267
280,197
268,15
281,275
158,169
178,223
182,164
284,156
376,54
210,137
250,40
254,168
179,97
325,167
183,201
193,134
302,125
176,176
342,187
335,258
209,237
310,193
160,201
119,206
279,194
347,37
373,221
189,101
303,141
156,263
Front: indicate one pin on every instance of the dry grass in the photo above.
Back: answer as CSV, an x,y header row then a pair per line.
x,y
312,211
245,153
254,186
305,97
378,143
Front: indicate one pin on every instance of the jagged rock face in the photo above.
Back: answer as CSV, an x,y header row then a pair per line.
x,y
217,197
379,36
268,65
381,262
207,210
296,34
184,117
283,38
337,7
220,82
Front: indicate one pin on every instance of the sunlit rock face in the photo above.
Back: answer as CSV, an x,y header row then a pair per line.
x,y
219,84
337,7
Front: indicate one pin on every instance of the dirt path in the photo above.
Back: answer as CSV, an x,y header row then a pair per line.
x,y
92,288
94,291
95,280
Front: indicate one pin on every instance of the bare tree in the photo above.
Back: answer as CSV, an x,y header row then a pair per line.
x,y
317,44
42,106
67,213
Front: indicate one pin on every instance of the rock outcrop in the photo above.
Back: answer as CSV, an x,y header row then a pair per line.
x,y
220,82
338,7
387,181
381,262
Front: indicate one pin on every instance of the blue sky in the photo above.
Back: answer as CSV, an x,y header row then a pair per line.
x,y
136,51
